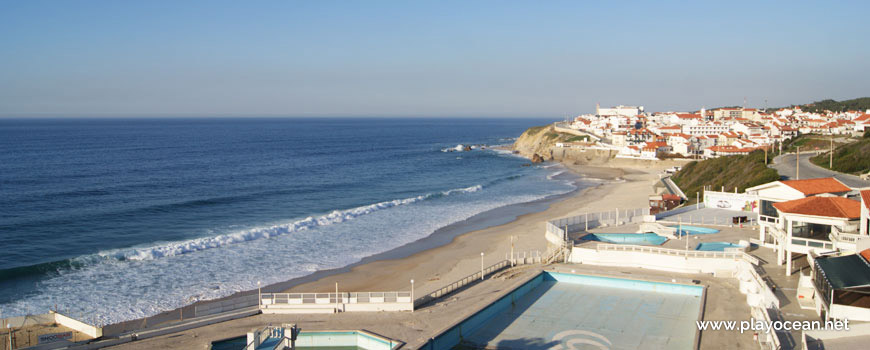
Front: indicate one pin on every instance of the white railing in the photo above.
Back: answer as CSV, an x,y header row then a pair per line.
x,y
769,295
677,252
846,237
522,258
586,221
461,283
812,243
770,219
333,298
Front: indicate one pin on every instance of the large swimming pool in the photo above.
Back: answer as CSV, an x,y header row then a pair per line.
x,y
694,230
626,238
573,311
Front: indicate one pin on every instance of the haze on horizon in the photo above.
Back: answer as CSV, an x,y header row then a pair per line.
x,y
445,58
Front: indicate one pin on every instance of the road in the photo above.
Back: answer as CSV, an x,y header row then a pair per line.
x,y
785,164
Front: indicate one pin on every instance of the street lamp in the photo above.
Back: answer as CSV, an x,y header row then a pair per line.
x,y
481,266
412,295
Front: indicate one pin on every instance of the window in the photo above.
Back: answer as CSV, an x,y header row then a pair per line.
x,y
767,209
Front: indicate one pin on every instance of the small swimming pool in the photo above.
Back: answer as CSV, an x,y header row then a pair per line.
x,y
627,238
716,246
694,230
321,340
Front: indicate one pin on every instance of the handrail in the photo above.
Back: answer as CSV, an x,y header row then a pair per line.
x,y
452,287
686,253
341,297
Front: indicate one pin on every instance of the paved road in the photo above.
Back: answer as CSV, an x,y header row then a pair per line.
x,y
785,164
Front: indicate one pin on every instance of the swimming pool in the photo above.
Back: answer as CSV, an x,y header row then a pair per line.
x,y
321,340
694,230
716,246
573,310
626,238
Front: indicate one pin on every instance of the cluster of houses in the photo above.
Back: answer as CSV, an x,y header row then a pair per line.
x,y
708,134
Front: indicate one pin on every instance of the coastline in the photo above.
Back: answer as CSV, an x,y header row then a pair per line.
x,y
453,251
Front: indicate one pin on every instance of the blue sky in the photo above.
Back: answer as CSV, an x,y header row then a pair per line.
x,y
410,58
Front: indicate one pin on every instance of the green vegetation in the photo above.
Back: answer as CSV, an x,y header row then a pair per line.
x,y
583,138
732,171
809,142
858,104
536,129
852,158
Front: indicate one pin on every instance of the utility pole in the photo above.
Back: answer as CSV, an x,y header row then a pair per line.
x,y
831,165
797,175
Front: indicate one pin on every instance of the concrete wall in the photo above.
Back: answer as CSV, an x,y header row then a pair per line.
x,y
84,328
850,313
662,262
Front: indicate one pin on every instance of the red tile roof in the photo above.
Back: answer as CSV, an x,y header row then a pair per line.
x,y
673,197
811,187
865,195
838,207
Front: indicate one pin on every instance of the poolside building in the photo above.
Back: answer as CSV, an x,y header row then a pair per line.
x,y
797,217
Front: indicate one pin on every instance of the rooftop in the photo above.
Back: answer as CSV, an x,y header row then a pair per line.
x,y
838,207
817,186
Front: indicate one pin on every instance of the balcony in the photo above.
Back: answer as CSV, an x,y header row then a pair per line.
x,y
769,219
812,244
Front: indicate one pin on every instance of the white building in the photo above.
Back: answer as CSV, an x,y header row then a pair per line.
x,y
625,111
803,216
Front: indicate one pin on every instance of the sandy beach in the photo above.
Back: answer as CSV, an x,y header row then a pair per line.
x,y
435,267
626,187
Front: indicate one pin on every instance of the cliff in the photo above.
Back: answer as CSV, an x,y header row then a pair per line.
x,y
539,140
540,143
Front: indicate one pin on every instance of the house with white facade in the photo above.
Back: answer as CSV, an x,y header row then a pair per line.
x,y
803,216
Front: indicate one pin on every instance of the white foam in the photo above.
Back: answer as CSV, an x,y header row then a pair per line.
x,y
553,175
116,290
335,217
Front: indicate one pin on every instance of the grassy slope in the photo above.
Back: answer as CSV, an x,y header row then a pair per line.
x,y
732,171
853,158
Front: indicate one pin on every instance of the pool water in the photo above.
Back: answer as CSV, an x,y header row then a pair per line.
x,y
320,340
569,311
716,246
694,230
627,238
236,343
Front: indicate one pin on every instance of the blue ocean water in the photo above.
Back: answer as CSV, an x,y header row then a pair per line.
x,y
121,218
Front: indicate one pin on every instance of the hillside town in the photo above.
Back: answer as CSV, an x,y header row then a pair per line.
x,y
704,133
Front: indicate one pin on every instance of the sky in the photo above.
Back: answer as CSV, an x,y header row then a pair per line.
x,y
423,58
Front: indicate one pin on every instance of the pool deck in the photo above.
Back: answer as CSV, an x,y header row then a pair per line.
x,y
723,302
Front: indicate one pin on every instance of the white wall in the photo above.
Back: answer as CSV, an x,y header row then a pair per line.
x,y
731,201
674,263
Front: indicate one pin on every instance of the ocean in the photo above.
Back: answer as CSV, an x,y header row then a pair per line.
x,y
124,218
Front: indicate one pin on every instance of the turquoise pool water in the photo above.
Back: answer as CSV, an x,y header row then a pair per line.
x,y
319,340
694,230
574,311
627,238
716,246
